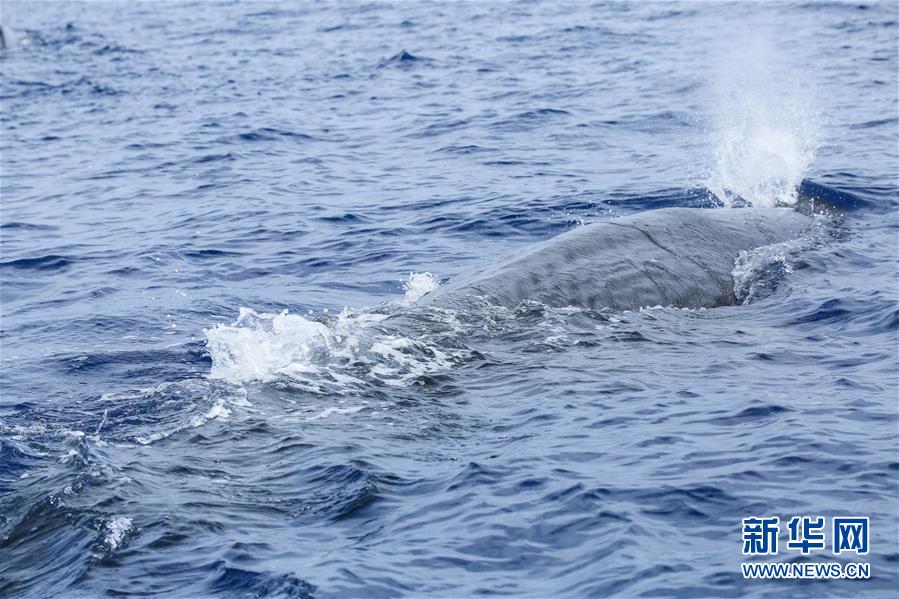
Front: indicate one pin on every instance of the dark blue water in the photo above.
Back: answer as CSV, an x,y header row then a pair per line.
x,y
175,176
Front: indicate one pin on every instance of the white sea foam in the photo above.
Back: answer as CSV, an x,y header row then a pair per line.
x,y
258,346
218,410
765,123
417,286
168,408
328,353
336,410
116,529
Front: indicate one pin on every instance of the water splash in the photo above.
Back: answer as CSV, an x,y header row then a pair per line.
x,y
417,286
760,271
329,353
765,127
116,529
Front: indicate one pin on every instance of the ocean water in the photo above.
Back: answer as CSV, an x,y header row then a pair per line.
x,y
215,221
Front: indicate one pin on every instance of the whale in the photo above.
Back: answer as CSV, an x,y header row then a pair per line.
x,y
673,257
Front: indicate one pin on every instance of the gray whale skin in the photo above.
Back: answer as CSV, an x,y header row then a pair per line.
x,y
681,257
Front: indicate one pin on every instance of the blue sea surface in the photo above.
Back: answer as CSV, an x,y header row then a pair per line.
x,y
215,221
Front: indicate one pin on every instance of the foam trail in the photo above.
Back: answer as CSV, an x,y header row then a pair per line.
x,y
328,353
765,127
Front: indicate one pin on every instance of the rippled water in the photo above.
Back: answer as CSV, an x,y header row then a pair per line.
x,y
214,379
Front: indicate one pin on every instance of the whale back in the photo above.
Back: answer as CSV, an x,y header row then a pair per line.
x,y
681,257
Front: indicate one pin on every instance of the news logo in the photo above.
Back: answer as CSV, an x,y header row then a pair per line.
x,y
760,535
850,534
805,535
